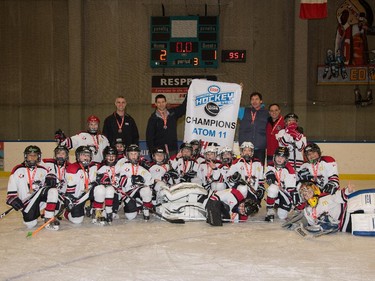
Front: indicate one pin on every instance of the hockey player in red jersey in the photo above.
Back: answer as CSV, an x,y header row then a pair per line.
x,y
30,189
322,170
281,191
91,138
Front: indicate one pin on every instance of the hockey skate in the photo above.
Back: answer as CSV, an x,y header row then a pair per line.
x,y
97,218
270,217
109,218
146,214
54,225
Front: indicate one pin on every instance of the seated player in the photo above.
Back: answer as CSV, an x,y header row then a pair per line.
x,y
184,164
208,171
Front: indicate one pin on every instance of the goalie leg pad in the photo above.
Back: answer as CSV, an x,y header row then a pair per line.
x,y
214,213
363,224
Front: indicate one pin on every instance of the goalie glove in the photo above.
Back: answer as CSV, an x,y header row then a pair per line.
x,y
60,136
16,203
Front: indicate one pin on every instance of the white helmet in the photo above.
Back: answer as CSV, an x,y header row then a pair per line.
x,y
247,144
210,149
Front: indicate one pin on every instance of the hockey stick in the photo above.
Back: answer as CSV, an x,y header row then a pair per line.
x,y
33,233
178,221
27,200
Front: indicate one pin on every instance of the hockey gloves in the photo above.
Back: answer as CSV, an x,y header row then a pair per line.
x,y
60,136
16,203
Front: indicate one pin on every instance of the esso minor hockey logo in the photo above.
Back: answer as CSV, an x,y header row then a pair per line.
x,y
213,89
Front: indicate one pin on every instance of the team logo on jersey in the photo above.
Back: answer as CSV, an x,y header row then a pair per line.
x,y
21,176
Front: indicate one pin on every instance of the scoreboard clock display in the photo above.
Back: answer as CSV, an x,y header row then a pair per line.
x,y
233,55
190,41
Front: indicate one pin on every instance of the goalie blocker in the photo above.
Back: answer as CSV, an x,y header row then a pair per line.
x,y
361,207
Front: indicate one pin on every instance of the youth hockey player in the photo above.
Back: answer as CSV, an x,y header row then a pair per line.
x,y
233,204
281,180
107,180
80,176
159,168
293,138
208,171
57,166
325,212
135,184
250,169
28,187
184,164
226,158
91,138
322,170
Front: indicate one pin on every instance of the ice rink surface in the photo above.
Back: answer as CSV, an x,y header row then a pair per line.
x,y
158,250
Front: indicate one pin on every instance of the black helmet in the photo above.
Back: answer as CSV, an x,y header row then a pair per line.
x,y
199,147
291,116
83,149
61,160
312,147
187,146
109,150
282,152
32,149
133,148
251,207
159,150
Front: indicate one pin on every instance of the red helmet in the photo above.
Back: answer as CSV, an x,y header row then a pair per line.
x,y
93,118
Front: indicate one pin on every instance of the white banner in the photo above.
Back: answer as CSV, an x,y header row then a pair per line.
x,y
212,110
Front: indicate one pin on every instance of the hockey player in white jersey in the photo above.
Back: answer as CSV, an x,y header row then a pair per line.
x,y
58,165
293,138
322,170
233,204
159,167
250,169
325,212
227,159
281,180
208,171
29,191
107,197
80,176
135,184
185,166
91,138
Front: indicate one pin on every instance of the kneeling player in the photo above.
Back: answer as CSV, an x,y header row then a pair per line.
x,y
30,187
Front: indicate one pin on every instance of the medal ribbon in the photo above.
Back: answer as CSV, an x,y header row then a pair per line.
x,y
249,171
164,117
275,126
122,121
253,115
278,177
96,142
315,170
86,176
31,177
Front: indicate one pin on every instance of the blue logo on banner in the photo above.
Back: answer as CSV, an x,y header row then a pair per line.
x,y
215,96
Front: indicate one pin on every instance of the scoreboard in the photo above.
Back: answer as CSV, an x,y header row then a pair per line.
x,y
184,42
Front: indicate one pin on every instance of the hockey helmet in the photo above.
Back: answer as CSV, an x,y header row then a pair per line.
x,y
196,146
290,116
93,118
110,151
93,124
83,150
59,159
32,149
134,159
247,144
282,152
251,207
312,147
157,151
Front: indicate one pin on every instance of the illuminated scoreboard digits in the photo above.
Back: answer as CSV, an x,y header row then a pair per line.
x,y
190,41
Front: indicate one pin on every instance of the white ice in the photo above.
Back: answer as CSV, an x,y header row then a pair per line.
x,y
158,250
